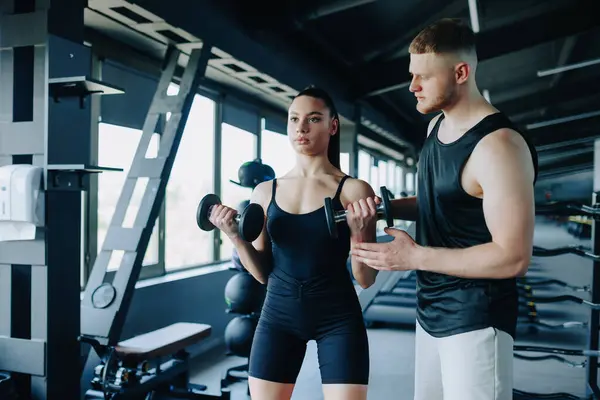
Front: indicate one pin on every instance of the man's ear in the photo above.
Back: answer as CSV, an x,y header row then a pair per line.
x,y
462,72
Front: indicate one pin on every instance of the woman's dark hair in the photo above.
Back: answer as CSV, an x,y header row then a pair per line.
x,y
333,150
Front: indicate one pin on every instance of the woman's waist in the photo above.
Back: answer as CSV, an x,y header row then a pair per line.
x,y
322,284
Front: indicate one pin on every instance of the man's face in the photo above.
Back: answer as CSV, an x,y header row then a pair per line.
x,y
433,81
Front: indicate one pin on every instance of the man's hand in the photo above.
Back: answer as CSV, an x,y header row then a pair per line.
x,y
397,255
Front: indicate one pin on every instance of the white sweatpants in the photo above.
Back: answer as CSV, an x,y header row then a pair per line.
x,y
476,365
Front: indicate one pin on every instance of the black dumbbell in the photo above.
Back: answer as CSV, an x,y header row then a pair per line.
x,y
250,221
333,217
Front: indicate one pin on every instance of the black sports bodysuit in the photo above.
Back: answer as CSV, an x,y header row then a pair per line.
x,y
451,218
310,296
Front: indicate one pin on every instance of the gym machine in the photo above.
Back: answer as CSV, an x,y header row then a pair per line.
x,y
45,119
591,353
156,362
45,99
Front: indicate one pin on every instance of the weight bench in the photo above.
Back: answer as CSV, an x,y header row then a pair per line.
x,y
156,362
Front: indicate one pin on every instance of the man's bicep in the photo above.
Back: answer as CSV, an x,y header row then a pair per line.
x,y
506,178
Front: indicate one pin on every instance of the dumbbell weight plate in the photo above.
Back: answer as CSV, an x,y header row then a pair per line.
x,y
329,217
203,210
251,222
387,207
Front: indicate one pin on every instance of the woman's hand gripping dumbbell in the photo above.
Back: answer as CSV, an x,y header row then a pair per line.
x,y
334,217
248,225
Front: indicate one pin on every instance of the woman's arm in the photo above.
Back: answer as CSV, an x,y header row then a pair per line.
x,y
255,256
362,220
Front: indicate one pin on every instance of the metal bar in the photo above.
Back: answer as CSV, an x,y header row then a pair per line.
x,y
565,143
474,15
594,324
218,139
91,210
569,67
23,355
486,95
119,238
5,296
565,52
24,252
563,120
593,390
336,7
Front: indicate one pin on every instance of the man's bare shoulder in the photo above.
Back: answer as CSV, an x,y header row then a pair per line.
x,y
502,148
504,139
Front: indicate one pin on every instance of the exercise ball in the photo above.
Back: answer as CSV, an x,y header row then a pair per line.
x,y
236,262
244,294
243,204
251,173
239,334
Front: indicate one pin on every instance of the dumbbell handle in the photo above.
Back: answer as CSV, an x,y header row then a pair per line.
x,y
383,210
339,216
236,218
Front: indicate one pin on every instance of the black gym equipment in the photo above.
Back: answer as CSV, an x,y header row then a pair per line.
x,y
544,282
384,210
250,222
156,363
251,173
591,353
239,334
567,209
244,294
578,250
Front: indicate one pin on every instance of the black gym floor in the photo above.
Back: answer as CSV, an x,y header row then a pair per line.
x,y
392,348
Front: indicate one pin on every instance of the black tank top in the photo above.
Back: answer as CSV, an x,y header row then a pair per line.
x,y
301,244
451,218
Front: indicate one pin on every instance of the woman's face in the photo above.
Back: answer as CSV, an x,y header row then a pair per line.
x,y
310,125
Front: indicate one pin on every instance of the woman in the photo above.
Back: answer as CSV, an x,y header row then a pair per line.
x,y
310,295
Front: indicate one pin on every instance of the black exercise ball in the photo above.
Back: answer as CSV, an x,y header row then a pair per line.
x,y
239,334
236,262
244,294
242,206
251,173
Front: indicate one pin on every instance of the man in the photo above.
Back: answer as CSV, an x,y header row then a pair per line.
x,y
474,214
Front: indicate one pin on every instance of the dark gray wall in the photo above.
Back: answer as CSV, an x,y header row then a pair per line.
x,y
184,297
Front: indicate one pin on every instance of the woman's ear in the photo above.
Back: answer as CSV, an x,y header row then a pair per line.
x,y
335,127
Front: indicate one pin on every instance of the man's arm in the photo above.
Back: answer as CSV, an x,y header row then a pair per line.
x,y
405,209
504,170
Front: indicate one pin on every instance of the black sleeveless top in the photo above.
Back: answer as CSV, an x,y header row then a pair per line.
x,y
451,218
301,245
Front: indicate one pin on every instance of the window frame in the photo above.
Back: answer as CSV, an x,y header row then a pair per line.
x,y
217,93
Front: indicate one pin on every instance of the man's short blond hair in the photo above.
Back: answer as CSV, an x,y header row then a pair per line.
x,y
448,35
